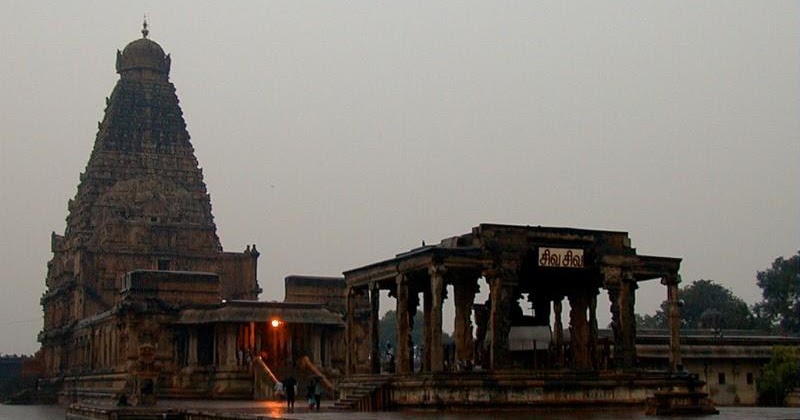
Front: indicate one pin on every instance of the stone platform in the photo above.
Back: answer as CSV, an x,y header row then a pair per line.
x,y
511,389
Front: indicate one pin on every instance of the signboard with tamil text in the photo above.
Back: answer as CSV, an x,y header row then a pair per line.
x,y
560,257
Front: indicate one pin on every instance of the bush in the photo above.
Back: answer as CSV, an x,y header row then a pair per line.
x,y
781,374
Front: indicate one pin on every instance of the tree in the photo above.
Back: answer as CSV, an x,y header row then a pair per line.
x,y
705,305
780,289
781,375
651,321
387,330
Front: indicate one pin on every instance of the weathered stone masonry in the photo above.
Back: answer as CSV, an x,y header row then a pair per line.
x,y
548,265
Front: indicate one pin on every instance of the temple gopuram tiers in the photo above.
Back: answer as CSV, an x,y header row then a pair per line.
x,y
141,299
141,204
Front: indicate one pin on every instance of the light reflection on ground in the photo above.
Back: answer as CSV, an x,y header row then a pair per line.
x,y
278,410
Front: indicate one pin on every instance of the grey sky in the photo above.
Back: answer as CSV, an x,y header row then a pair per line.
x,y
334,134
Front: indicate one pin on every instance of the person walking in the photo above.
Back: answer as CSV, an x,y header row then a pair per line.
x,y
290,387
310,395
317,392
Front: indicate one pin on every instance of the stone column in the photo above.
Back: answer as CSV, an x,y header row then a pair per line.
x,y
221,331
464,297
114,347
558,332
579,330
289,333
403,329
192,353
316,345
593,330
503,282
627,302
348,332
251,343
437,287
672,282
612,284
230,344
482,314
413,306
427,306
374,337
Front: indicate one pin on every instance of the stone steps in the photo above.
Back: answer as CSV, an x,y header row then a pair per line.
x,y
363,396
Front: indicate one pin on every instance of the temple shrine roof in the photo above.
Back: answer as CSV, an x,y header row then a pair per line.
x,y
143,54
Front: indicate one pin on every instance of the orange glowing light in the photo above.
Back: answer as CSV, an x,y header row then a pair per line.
x,y
275,323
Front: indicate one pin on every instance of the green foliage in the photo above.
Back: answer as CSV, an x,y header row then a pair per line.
x,y
704,297
780,375
706,305
780,289
387,330
659,320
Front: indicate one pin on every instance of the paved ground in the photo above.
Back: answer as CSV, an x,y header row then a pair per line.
x,y
268,409
277,410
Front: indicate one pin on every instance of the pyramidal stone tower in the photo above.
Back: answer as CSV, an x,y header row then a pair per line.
x,y
141,207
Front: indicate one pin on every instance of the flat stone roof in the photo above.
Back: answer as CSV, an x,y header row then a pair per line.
x,y
255,311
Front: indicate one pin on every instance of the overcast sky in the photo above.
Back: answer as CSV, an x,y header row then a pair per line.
x,y
337,133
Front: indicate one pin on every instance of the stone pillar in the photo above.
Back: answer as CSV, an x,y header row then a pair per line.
x,y
675,363
503,282
627,302
482,314
374,337
593,330
348,332
116,346
316,345
413,306
403,329
435,322
230,344
251,344
612,283
191,358
558,332
579,330
427,306
464,297
289,333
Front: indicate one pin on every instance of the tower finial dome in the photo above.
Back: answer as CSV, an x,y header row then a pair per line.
x,y
143,55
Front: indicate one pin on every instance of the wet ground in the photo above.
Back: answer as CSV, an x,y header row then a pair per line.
x,y
278,410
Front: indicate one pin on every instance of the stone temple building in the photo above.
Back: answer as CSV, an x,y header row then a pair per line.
x,y
142,301
141,298
510,356
543,266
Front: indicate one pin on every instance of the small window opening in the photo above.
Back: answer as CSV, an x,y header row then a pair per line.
x,y
749,378
721,378
163,264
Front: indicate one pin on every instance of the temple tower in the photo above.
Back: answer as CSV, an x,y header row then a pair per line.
x,y
141,204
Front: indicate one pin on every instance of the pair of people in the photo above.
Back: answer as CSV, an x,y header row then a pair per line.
x,y
289,388
314,393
